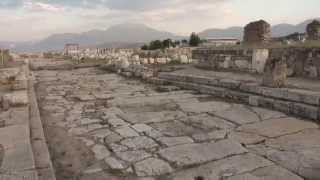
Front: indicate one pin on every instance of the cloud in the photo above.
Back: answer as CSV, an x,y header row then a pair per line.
x,y
145,5
39,6
10,3
45,17
124,5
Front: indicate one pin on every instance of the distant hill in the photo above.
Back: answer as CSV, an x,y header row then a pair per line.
x,y
122,35
134,35
232,32
237,32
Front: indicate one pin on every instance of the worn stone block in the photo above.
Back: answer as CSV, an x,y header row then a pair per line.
x,y
191,154
283,106
16,98
306,111
275,73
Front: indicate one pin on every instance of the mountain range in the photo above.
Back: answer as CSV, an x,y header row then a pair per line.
x,y
134,35
276,30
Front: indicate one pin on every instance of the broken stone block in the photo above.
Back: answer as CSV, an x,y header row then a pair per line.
x,y
141,142
152,167
190,154
275,73
313,30
174,141
17,98
141,128
133,156
100,152
258,32
114,164
127,132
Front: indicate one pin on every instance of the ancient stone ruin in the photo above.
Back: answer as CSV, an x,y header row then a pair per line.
x,y
275,73
4,57
313,30
257,33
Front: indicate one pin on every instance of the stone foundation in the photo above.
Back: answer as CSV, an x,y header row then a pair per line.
x,y
301,62
301,103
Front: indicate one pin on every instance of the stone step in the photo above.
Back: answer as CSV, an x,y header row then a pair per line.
x,y
287,94
292,102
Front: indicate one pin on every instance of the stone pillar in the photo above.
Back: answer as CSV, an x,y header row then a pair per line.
x,y
259,59
313,30
275,73
257,33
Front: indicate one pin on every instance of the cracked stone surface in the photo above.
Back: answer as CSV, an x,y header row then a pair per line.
x,y
152,167
192,154
278,127
239,114
110,126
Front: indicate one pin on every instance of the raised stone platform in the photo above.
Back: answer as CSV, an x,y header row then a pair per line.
x,y
296,100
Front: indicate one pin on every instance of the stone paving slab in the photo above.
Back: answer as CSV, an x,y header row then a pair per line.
x,y
299,101
204,107
238,114
227,167
277,127
136,132
192,154
17,149
152,167
26,175
269,172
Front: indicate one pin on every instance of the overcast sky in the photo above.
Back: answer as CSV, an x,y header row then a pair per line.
x,y
35,19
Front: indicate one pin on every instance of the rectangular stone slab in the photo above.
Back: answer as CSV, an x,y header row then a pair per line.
x,y
18,155
191,154
229,166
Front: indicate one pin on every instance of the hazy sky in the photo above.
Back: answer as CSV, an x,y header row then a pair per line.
x,y
35,19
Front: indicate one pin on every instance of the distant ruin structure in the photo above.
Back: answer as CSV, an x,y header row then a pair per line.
x,y
313,30
4,57
257,33
221,42
71,49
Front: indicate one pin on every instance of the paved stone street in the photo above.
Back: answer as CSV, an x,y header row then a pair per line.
x,y
103,126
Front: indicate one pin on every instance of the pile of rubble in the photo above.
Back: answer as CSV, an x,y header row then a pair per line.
x,y
14,84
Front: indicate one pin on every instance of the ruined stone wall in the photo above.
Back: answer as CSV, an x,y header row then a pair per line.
x,y
182,55
301,62
238,60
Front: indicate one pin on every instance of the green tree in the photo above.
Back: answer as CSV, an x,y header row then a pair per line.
x,y
176,43
157,44
145,47
167,43
184,41
194,40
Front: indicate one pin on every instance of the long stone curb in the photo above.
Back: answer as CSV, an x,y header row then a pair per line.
x,y
284,100
38,141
